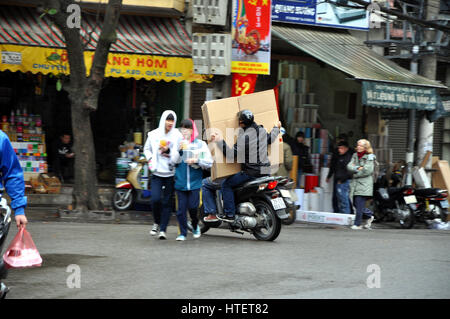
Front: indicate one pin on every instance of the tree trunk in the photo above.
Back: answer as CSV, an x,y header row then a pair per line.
x,y
85,189
83,95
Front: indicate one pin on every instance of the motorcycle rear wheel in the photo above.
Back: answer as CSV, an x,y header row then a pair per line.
x,y
272,223
408,222
119,202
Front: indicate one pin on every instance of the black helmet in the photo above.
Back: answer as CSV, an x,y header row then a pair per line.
x,y
246,117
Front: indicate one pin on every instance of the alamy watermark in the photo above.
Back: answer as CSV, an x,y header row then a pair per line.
x,y
74,279
374,279
74,18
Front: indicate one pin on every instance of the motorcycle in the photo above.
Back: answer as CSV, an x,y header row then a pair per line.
x,y
432,204
130,192
394,203
260,208
5,223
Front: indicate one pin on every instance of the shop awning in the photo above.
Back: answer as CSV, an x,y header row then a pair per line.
x,y
351,56
146,47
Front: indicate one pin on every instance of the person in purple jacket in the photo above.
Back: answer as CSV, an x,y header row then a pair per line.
x,y
11,177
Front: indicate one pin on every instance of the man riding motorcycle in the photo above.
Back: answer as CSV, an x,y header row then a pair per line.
x,y
251,151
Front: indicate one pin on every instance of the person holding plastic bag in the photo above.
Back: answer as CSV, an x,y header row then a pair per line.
x,y
12,178
193,155
160,144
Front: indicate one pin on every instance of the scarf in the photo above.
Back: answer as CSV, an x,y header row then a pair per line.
x,y
360,155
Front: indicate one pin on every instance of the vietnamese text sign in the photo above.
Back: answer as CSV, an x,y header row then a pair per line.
x,y
387,95
49,60
332,13
251,36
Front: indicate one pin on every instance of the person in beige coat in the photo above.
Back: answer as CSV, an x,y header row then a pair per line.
x,y
361,187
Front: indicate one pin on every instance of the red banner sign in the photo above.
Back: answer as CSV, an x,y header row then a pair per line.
x,y
243,84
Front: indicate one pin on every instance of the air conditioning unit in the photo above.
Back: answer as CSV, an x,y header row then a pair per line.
x,y
200,53
199,11
211,53
220,57
210,11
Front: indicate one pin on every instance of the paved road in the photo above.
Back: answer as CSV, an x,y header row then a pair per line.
x,y
123,261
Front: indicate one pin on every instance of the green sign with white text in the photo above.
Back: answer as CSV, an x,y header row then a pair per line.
x,y
381,94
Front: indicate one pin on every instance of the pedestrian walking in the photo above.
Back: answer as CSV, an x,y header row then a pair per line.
x,y
341,138
190,159
342,177
361,187
160,143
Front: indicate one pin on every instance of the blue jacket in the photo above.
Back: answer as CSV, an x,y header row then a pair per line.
x,y
11,175
189,177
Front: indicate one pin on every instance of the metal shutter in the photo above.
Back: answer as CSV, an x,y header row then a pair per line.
x,y
398,138
198,93
438,137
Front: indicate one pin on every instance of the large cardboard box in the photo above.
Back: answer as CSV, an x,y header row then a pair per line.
x,y
441,178
220,115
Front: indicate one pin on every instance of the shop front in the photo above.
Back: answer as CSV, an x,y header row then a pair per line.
x,y
332,84
146,72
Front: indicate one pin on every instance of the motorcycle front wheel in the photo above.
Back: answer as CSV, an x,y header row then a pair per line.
x,y
271,227
122,199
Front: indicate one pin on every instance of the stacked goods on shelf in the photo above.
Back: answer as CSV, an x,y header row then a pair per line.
x,y
122,168
32,156
25,132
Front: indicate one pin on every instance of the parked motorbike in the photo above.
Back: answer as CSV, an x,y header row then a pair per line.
x,y
130,192
260,208
5,223
394,203
432,204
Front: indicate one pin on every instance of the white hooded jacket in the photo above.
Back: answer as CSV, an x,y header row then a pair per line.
x,y
161,165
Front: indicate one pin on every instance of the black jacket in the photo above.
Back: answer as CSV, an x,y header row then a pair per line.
x,y
338,166
299,149
251,149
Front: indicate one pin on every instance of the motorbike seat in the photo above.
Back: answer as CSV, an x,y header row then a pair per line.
x,y
428,192
394,190
257,181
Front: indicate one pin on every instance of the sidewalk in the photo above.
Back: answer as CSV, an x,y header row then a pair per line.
x,y
56,207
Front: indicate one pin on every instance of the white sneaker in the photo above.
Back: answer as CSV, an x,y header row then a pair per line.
x,y
162,235
368,224
197,232
356,227
181,238
155,230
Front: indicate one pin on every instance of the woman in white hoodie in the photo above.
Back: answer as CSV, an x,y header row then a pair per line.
x,y
157,149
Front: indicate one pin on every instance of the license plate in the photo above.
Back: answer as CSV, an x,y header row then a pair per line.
x,y
411,199
278,203
444,203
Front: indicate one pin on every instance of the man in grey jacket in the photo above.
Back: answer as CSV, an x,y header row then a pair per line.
x,y
251,151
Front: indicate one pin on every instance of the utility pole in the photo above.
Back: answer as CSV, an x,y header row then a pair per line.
x,y
411,120
428,70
